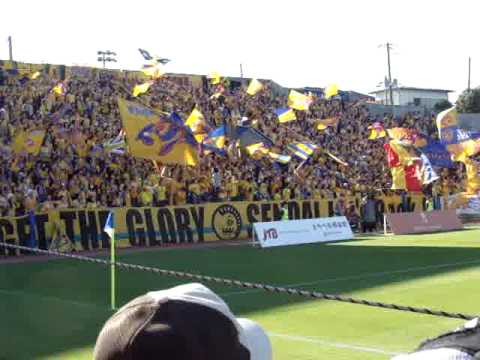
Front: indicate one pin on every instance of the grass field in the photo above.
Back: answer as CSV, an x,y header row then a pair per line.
x,y
54,309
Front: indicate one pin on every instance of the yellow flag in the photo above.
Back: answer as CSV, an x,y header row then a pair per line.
x,y
35,75
299,101
324,123
59,89
151,137
473,176
197,123
404,155
257,151
214,78
331,90
398,178
285,115
254,87
28,141
154,71
142,88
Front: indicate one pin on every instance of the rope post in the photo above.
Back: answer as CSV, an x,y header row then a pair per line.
x,y
384,224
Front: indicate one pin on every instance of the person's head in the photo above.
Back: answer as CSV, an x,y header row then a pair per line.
x,y
187,322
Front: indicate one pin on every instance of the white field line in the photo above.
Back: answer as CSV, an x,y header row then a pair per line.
x,y
51,298
358,277
338,345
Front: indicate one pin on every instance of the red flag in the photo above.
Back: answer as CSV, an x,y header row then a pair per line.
x,y
393,159
413,178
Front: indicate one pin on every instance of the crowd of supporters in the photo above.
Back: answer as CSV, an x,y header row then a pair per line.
x,y
73,170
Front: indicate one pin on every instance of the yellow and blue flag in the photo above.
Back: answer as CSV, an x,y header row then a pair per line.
x,y
216,137
155,71
258,150
299,101
142,88
331,91
285,115
198,125
254,87
302,150
459,142
153,137
28,142
282,159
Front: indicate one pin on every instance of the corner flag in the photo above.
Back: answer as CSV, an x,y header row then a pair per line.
x,y
109,228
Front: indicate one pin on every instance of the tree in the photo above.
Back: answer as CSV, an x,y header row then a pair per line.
x,y
442,105
469,101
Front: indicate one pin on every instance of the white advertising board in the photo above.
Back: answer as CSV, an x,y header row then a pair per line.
x,y
306,231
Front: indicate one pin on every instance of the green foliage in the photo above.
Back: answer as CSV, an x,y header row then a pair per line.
x,y
442,105
469,101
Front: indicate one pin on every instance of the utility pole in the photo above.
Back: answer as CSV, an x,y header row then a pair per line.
x,y
469,71
241,70
389,72
10,49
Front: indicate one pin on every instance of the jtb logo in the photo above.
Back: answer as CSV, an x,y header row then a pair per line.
x,y
270,234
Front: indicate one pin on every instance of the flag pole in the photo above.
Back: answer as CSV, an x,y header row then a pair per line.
x,y
112,272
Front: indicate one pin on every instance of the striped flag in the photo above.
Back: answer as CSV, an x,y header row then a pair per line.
x,y
302,150
285,115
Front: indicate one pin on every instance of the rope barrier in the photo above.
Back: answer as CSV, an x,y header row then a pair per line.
x,y
248,285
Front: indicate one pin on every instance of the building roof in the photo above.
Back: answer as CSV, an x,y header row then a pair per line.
x,y
410,88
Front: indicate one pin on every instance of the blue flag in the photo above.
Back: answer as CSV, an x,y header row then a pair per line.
x,y
110,226
428,173
438,154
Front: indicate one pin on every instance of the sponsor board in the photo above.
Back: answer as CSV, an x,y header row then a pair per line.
x,y
423,222
296,232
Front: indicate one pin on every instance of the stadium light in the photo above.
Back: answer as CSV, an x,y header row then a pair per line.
x,y
106,56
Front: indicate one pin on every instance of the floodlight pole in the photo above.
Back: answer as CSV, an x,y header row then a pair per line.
x,y
10,48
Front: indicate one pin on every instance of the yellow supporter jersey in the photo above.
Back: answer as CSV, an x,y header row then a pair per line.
x,y
194,188
286,194
147,198
232,188
277,197
161,192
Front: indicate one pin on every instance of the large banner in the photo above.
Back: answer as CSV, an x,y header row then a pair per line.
x,y
172,224
424,222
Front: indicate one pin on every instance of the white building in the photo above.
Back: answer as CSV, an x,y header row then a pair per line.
x,y
411,96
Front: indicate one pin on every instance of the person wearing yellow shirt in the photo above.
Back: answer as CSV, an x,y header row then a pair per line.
x,y
180,195
232,189
286,194
146,197
316,193
262,193
194,190
277,197
161,194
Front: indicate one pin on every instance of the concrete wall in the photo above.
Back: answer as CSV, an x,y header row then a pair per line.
x,y
407,97
378,110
